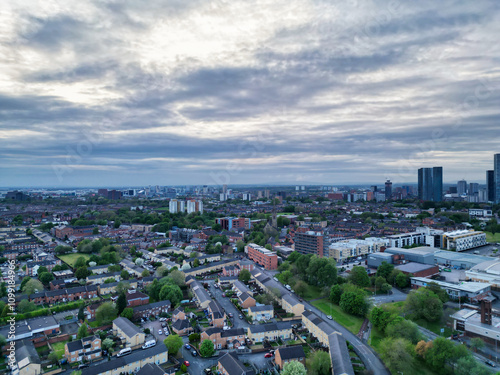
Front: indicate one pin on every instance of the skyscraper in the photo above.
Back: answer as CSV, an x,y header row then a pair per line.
x,y
430,184
490,185
462,187
388,189
497,177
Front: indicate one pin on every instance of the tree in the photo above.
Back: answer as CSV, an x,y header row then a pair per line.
x,y
402,280
81,314
359,277
441,352
41,269
384,270
178,277
107,343
106,312
173,344
80,262
128,313
122,287
82,273
320,363
300,287
32,286
353,301
196,263
294,368
335,294
161,271
52,357
145,273
139,262
121,303
476,343
396,354
194,337
404,329
244,275
438,291
423,303
469,366
26,306
83,331
172,293
124,275
45,277
6,310
23,283
381,284
3,341
207,348
95,230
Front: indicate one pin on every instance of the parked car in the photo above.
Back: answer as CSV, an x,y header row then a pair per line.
x,y
160,332
194,353
490,363
187,346
268,355
329,317
208,371
223,294
186,363
83,365
241,316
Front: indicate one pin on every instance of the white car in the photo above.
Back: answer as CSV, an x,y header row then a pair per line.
x,y
329,317
160,332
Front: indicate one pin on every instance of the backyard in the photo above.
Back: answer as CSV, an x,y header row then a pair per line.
x,y
58,348
70,259
352,323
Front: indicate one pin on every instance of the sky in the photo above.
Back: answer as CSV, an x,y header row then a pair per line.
x,y
130,93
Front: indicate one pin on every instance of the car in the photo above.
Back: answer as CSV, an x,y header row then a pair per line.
x,y
490,363
230,315
240,316
208,371
160,332
186,363
223,294
163,325
268,355
194,353
446,270
83,365
187,346
329,317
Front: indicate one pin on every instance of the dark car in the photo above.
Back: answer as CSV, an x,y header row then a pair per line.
x,y
490,363
187,346
83,365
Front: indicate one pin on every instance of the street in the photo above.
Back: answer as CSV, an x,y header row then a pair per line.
x,y
228,307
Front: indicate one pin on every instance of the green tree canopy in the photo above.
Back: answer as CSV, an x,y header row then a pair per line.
x,y
207,348
173,344
244,275
106,312
320,363
82,331
359,277
294,368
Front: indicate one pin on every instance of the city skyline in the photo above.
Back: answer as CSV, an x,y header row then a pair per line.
x,y
281,93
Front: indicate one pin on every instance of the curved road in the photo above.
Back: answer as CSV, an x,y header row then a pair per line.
x,y
366,353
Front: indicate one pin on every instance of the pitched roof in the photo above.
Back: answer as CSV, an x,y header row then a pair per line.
x,y
127,327
151,369
292,352
233,365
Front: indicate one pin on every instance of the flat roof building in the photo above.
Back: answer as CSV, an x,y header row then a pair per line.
x,y
473,291
462,240
458,260
422,254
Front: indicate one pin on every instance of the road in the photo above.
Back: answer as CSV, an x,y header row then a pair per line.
x,y
366,354
396,296
228,307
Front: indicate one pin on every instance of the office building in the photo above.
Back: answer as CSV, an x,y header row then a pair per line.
x,y
348,249
388,189
234,223
430,184
490,185
462,240
497,177
462,187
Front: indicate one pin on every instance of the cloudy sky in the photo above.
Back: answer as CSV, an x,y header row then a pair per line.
x,y
129,92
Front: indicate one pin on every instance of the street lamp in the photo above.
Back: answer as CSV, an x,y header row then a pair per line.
x,y
496,349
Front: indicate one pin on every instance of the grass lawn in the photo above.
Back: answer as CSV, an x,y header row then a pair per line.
x,y
352,323
492,238
312,292
58,348
375,337
70,259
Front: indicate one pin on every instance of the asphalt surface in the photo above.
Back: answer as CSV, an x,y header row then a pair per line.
x,y
228,307
396,296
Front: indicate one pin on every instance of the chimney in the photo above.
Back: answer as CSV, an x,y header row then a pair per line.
x,y
486,317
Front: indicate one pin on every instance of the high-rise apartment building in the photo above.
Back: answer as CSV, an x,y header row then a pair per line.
x,y
194,206
175,206
430,184
490,185
462,187
496,161
388,189
309,242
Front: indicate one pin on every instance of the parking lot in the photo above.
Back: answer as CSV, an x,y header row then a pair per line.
x,y
154,327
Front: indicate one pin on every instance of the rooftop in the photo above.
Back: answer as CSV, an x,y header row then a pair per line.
x,y
413,267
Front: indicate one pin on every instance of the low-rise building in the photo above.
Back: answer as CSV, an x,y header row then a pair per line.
x,y
317,327
87,349
462,240
224,339
27,360
262,256
134,337
292,353
152,309
270,331
258,313
229,364
463,291
418,269
343,250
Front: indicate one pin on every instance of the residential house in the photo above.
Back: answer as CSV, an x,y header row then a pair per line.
x,y
131,363
224,339
133,335
201,295
271,331
246,300
317,327
182,327
151,369
288,354
137,299
178,314
27,359
87,349
258,313
216,314
155,309
229,364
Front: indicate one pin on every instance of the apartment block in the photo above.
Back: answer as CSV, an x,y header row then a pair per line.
x,y
262,256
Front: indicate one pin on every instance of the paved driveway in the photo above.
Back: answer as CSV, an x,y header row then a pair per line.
x,y
396,296
154,327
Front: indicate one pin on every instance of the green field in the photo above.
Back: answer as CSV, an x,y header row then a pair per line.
x,y
375,337
492,238
352,323
70,259
58,348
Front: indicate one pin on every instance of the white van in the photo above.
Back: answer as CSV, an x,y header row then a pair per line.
x,y
124,352
288,287
149,344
